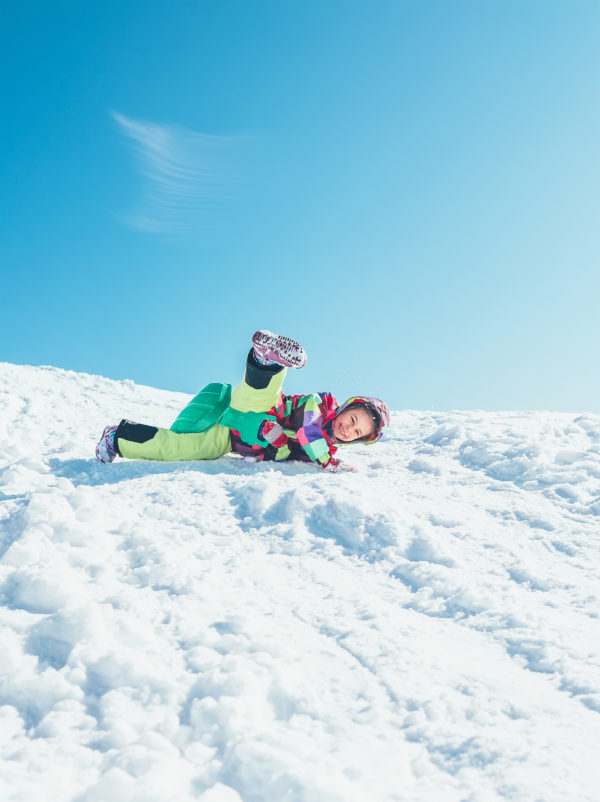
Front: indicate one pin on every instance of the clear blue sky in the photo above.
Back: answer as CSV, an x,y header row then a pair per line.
x,y
410,188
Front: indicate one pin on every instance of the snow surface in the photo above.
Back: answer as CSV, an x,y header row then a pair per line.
x,y
424,629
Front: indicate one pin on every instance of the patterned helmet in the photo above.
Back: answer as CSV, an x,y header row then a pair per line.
x,y
376,407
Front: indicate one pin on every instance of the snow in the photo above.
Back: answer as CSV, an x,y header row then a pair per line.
x,y
424,629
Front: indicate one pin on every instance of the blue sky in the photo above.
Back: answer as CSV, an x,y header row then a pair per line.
x,y
409,188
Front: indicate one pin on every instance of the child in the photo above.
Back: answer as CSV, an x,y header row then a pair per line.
x,y
255,419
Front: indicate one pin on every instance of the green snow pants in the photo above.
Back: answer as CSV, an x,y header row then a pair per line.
x,y
259,391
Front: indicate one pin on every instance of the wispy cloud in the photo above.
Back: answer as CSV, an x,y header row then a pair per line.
x,y
187,175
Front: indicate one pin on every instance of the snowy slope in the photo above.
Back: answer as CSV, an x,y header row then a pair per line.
x,y
424,629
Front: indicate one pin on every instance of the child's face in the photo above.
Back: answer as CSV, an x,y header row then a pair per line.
x,y
351,424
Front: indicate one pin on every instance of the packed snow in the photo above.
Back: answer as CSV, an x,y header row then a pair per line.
x,y
425,629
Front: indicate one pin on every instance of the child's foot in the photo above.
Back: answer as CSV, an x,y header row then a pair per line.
x,y
272,348
105,450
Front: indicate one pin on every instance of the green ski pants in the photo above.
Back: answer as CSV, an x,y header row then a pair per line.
x,y
164,444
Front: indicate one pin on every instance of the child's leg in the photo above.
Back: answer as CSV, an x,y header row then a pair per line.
x,y
139,441
261,387
259,391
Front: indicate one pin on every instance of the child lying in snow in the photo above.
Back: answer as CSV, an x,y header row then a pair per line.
x,y
256,419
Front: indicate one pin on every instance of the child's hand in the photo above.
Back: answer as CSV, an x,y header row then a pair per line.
x,y
332,466
335,466
272,432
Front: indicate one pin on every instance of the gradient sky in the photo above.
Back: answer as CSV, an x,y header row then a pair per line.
x,y
410,188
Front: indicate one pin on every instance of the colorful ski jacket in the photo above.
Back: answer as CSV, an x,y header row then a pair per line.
x,y
305,437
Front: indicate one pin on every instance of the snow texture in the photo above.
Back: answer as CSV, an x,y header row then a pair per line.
x,y
424,629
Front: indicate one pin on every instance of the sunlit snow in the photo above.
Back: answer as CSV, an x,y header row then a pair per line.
x,y
426,629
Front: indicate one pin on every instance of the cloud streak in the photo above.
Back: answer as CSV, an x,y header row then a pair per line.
x,y
186,176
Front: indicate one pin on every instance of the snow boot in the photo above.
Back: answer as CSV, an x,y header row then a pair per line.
x,y
105,450
272,348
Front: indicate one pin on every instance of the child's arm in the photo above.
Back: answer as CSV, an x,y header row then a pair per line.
x,y
305,421
310,433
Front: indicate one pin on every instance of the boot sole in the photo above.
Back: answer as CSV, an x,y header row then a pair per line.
x,y
283,350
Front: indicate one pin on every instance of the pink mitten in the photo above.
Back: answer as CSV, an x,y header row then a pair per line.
x,y
272,432
335,466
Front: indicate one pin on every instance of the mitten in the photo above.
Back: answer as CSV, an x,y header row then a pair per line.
x,y
335,466
272,432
